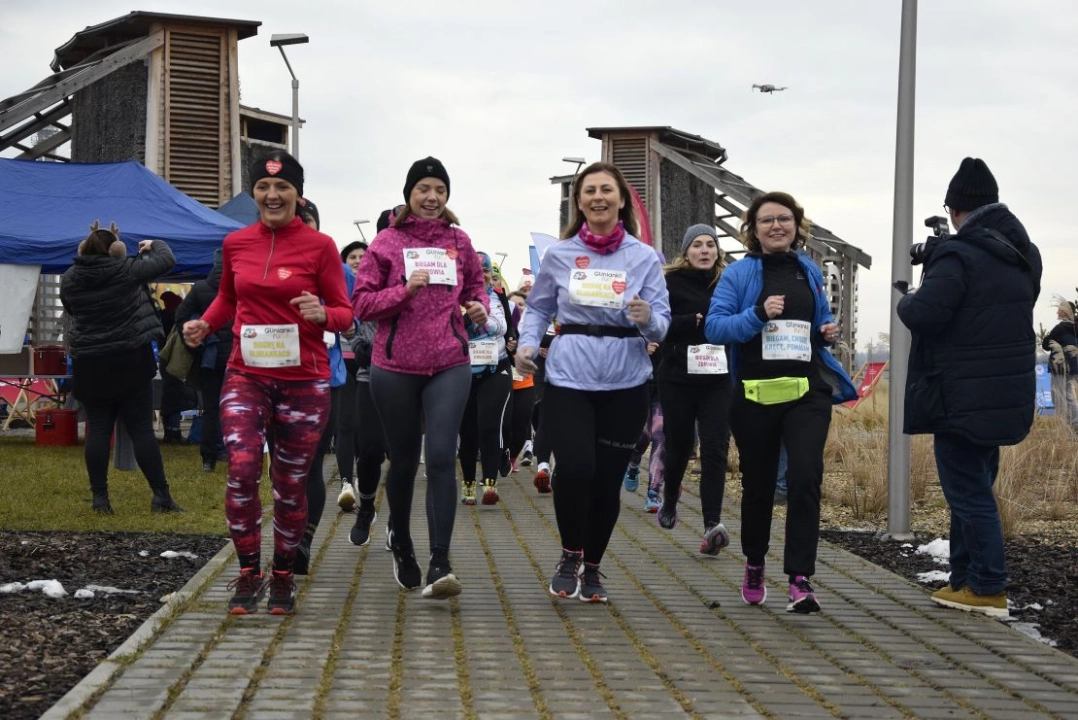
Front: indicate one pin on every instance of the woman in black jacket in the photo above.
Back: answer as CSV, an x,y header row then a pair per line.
x,y
113,323
694,386
216,350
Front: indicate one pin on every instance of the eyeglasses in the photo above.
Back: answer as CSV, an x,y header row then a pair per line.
x,y
771,219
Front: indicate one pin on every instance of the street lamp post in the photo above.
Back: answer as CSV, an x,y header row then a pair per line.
x,y
359,224
279,41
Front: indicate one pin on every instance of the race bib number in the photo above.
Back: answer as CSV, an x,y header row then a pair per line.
x,y
787,340
597,288
270,345
517,377
440,263
483,352
707,360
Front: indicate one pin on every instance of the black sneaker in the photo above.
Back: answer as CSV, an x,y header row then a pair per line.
x,y
566,581
389,535
591,585
405,568
102,506
301,561
668,516
361,531
282,593
247,589
164,504
442,584
526,459
505,465
209,465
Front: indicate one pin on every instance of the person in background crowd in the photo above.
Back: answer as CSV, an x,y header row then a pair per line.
x,y
694,386
540,444
316,485
488,400
282,284
173,392
607,291
413,281
347,434
1062,346
516,300
972,373
216,349
771,310
113,323
651,435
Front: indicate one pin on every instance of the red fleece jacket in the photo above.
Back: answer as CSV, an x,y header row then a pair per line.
x,y
263,270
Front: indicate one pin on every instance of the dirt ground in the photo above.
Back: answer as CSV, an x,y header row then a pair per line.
x,y
48,645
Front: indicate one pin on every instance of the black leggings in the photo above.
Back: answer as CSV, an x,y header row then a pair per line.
x,y
684,405
403,402
592,434
212,444
520,428
316,484
481,426
347,431
370,443
759,430
135,411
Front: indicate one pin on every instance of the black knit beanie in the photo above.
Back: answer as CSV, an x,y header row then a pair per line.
x,y
972,186
278,164
388,216
305,207
427,167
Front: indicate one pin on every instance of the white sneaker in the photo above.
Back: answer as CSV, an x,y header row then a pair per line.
x,y
346,501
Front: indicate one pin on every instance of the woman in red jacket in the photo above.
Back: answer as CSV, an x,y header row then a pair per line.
x,y
282,284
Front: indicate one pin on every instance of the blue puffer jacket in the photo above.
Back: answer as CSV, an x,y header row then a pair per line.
x,y
732,320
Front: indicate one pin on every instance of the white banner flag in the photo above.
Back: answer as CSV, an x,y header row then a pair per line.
x,y
20,287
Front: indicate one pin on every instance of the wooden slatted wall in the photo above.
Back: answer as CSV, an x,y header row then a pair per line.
x,y
631,157
196,114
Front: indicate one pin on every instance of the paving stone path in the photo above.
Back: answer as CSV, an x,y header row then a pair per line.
x,y
675,640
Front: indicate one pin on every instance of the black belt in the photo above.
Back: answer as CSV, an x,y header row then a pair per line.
x,y
617,331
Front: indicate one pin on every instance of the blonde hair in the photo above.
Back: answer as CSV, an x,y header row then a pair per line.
x,y
682,263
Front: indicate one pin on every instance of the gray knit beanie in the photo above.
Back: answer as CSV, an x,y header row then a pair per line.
x,y
696,231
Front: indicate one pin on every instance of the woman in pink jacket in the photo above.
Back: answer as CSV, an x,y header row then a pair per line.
x,y
414,280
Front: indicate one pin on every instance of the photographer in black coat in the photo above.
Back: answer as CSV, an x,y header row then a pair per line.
x,y
972,378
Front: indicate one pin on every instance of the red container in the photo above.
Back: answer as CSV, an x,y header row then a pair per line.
x,y
50,360
57,427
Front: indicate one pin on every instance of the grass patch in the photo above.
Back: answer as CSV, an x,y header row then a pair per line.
x,y
46,488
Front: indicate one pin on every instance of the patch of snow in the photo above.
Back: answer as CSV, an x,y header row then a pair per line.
x,y
144,553
83,594
907,545
1033,606
110,590
52,588
933,576
12,588
939,550
1031,630
183,553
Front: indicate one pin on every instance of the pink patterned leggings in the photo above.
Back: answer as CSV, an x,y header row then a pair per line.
x,y
298,411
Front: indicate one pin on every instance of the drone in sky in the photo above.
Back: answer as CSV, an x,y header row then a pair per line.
x,y
768,88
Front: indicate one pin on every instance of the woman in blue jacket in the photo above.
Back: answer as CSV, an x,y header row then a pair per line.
x,y
771,310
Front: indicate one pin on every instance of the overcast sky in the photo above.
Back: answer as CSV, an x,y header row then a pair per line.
x,y
501,93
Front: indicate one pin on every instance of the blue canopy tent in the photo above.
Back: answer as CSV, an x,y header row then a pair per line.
x,y
241,208
47,209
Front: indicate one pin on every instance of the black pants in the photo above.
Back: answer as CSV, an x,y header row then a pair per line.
x,y
592,434
347,431
212,444
404,401
316,484
687,407
520,427
135,411
759,430
370,443
540,444
481,427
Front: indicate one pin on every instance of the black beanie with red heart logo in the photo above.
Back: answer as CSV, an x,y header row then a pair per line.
x,y
278,164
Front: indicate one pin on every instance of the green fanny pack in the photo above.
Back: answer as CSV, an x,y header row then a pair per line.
x,y
775,390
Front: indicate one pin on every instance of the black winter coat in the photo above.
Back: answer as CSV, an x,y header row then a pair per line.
x,y
108,301
972,362
1064,334
690,293
195,304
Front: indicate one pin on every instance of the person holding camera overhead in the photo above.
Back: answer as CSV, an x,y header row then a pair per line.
x,y
972,372
770,309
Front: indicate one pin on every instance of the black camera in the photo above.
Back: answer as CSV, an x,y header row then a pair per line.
x,y
939,226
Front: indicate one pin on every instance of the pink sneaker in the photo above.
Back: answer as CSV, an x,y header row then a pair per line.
x,y
802,597
753,590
